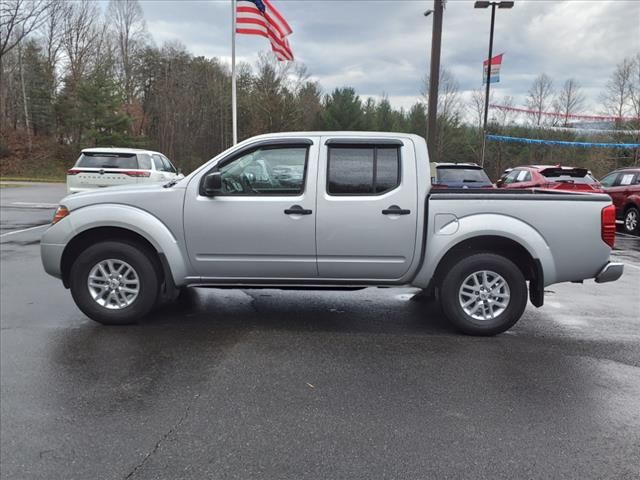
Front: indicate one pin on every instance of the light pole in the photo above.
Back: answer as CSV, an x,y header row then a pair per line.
x,y
434,75
493,5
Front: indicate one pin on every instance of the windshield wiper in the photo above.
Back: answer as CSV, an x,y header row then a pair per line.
x,y
170,183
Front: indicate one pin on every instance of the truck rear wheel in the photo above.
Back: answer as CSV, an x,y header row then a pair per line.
x,y
484,294
114,283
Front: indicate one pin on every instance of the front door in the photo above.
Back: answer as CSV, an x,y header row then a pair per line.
x,y
367,209
262,224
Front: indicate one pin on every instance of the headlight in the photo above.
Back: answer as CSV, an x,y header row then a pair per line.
x,y
61,212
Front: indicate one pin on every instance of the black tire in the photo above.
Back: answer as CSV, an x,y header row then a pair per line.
x,y
142,263
631,218
456,276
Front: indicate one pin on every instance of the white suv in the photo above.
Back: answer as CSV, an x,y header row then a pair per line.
x,y
106,167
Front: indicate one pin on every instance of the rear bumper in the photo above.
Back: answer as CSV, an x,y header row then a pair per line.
x,y
610,273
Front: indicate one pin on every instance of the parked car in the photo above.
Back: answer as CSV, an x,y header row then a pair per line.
x,y
362,214
459,175
554,177
624,188
106,167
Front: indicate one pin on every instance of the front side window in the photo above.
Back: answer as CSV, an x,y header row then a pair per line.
x,y
162,164
609,180
369,170
266,171
168,165
511,178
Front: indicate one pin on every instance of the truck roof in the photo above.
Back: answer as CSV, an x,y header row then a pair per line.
x,y
343,133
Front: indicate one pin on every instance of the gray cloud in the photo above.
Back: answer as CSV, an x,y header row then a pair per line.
x,y
383,46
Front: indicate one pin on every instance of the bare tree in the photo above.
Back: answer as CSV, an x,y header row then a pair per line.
x,y
450,109
82,36
540,97
450,104
569,101
634,87
18,18
506,115
52,32
127,20
476,105
618,91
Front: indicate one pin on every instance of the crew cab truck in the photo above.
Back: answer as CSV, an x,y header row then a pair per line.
x,y
327,210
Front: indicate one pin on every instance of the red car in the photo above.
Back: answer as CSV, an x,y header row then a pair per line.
x,y
554,177
624,188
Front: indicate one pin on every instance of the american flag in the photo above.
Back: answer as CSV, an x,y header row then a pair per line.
x,y
260,17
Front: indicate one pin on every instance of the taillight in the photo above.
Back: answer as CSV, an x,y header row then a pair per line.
x,y
73,171
135,173
439,185
608,224
61,212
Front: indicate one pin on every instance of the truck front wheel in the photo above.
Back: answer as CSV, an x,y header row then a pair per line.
x,y
484,294
114,283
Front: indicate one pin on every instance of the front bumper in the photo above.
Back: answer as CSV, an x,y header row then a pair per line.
x,y
51,255
610,273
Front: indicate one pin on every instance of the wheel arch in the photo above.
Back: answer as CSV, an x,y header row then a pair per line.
x,y
89,237
530,267
113,222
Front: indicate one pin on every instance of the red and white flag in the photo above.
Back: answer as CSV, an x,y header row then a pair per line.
x,y
496,63
260,17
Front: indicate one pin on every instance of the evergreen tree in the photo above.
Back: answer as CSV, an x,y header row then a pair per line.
x,y
342,110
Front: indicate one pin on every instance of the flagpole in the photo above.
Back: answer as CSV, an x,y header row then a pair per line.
x,y
234,103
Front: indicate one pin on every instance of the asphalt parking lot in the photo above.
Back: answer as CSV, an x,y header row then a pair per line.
x,y
244,384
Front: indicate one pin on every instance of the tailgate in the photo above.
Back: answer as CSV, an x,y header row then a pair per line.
x,y
98,178
106,169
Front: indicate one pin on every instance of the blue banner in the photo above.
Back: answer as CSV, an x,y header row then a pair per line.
x,y
560,143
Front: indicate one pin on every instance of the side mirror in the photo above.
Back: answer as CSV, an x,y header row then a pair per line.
x,y
212,184
500,182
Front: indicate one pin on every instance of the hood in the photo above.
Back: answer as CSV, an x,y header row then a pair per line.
x,y
124,194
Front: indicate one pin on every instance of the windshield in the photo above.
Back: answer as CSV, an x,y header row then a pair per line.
x,y
107,160
462,175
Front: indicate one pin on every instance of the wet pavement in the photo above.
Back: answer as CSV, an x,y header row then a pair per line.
x,y
240,384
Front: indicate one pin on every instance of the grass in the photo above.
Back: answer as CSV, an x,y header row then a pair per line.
x,y
12,185
51,179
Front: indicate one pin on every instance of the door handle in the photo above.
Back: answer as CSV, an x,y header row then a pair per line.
x,y
297,210
395,210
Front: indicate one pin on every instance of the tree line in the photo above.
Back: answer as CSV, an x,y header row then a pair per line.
x,y
73,76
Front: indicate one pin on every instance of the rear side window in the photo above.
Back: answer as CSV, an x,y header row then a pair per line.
x,y
366,170
627,179
144,161
108,160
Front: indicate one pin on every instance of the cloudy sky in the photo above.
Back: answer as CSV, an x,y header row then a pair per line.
x,y
382,47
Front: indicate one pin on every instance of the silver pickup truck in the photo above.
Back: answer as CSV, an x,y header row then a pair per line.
x,y
327,210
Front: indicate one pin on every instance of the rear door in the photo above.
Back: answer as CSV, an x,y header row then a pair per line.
x,y
366,208
621,187
97,170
